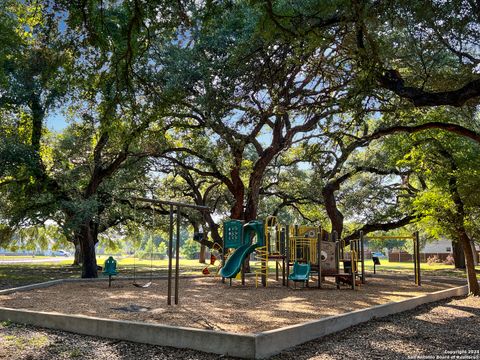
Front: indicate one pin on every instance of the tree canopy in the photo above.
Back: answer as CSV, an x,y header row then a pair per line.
x,y
357,115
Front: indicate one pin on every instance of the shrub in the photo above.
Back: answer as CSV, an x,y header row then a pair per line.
x,y
190,249
154,256
449,260
433,260
162,248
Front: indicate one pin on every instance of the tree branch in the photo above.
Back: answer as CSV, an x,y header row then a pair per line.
x,y
368,228
392,80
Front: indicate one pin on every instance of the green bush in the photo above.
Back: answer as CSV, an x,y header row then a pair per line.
x,y
153,256
190,249
162,248
153,252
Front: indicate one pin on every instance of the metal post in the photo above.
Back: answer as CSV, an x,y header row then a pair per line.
x,y
265,263
337,255
415,258
354,277
243,271
177,254
335,239
287,247
362,252
170,255
356,248
340,250
223,251
337,262
319,255
283,256
417,240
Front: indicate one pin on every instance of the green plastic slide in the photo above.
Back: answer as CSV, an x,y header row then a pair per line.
x,y
234,263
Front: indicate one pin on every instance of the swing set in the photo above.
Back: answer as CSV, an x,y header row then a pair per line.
x,y
174,226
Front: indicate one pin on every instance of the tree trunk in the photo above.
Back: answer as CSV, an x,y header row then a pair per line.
x,y
237,187
458,255
251,208
38,114
236,211
88,239
335,216
201,259
463,237
473,287
196,230
78,260
475,256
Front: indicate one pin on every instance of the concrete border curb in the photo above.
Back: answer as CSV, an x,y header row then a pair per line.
x,y
32,286
240,345
258,346
272,342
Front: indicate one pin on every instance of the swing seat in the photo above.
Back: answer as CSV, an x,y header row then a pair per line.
x,y
142,285
110,267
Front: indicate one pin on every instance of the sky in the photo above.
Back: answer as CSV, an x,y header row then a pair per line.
x,y
56,122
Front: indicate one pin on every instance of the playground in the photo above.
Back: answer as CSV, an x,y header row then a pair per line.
x,y
239,179
207,303
303,283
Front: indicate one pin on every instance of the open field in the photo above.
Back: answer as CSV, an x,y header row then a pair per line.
x,y
208,303
12,275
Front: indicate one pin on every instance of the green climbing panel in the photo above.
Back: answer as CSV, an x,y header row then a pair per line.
x,y
233,230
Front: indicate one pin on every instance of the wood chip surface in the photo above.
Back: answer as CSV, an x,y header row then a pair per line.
x,y
207,303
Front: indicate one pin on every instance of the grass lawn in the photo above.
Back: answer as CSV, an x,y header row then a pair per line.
x,y
407,268
19,274
23,257
26,273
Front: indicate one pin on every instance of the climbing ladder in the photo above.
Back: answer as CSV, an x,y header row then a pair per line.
x,y
271,246
261,255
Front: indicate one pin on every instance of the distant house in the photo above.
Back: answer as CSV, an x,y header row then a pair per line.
x,y
440,248
443,246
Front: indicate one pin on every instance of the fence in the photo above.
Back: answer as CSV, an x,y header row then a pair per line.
x,y
403,256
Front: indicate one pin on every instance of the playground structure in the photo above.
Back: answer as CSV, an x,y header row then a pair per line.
x,y
307,250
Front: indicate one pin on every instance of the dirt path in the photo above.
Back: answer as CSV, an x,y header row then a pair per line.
x,y
445,328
